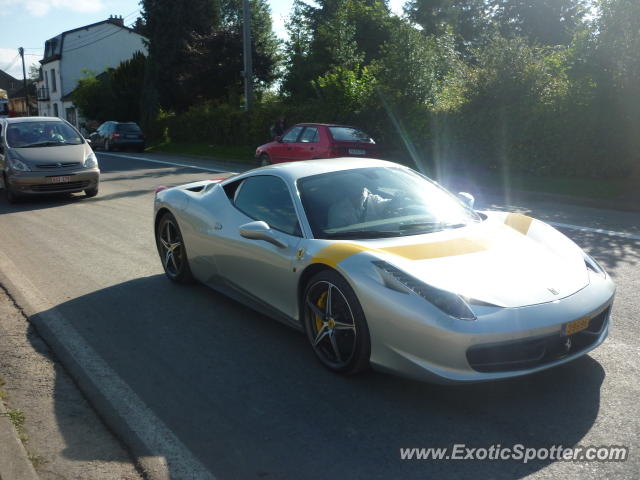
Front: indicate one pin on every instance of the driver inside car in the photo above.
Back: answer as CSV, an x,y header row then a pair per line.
x,y
356,205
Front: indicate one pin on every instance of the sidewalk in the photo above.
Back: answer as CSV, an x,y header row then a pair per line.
x,y
63,436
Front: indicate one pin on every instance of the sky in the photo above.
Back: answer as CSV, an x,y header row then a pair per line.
x,y
29,23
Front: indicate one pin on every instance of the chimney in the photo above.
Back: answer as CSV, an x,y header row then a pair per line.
x,y
116,20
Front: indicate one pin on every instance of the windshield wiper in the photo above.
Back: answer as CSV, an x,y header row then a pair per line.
x,y
43,144
363,234
431,225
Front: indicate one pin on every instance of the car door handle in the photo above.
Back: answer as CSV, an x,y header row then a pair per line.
x,y
312,148
288,148
217,226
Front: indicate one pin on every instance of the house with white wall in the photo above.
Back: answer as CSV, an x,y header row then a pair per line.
x,y
94,48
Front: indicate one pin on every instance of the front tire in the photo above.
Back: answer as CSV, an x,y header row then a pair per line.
x,y
171,249
11,196
335,324
91,192
264,160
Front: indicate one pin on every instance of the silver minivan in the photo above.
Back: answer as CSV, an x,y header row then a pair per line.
x,y
44,155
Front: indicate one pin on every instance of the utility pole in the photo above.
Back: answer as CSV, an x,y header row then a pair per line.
x,y
24,76
248,64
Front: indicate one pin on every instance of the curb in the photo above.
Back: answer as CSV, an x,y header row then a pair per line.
x,y
14,463
161,459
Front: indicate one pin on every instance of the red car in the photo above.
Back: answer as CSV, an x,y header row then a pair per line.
x,y
306,141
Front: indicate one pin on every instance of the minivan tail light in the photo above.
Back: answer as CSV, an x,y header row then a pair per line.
x,y
115,135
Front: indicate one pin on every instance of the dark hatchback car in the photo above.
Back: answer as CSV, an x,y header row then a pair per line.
x,y
112,136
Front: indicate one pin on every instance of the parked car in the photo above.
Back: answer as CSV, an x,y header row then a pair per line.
x,y
379,265
41,155
308,141
111,136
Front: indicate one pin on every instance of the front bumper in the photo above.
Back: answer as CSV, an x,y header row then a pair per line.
x,y
39,182
412,338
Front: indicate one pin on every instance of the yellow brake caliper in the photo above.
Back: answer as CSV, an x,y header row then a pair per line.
x,y
321,304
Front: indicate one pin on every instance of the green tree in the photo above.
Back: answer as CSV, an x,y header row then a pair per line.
x,y
545,22
114,94
336,33
171,26
468,19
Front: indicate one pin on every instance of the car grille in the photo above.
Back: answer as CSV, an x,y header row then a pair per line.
x,y
53,166
523,354
58,187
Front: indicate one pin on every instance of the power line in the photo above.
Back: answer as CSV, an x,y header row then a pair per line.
x,y
73,43
95,41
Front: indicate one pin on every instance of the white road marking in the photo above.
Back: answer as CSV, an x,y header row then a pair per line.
x,y
143,159
167,457
600,231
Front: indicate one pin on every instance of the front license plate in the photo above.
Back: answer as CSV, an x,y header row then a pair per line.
x,y
357,151
575,326
64,179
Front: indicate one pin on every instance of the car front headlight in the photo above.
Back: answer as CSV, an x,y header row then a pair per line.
x,y
448,302
16,164
91,161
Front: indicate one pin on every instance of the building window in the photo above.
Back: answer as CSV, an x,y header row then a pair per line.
x,y
53,80
71,116
46,80
55,109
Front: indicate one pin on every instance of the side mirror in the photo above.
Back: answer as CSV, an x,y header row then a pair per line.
x,y
279,139
467,199
260,231
88,140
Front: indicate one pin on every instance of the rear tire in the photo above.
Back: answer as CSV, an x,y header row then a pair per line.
x,y
171,249
335,324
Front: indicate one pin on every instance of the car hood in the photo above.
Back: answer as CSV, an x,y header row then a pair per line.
x,y
509,260
53,155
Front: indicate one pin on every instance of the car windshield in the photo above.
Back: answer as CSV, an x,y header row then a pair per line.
x,y
41,134
378,202
349,134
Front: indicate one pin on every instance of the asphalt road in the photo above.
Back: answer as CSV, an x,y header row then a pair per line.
x,y
215,388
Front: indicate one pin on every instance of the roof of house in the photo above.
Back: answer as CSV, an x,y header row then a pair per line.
x,y
53,46
8,82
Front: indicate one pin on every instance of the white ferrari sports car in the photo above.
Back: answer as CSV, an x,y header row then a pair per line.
x,y
381,266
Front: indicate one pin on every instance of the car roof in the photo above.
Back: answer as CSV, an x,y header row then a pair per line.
x,y
33,119
293,171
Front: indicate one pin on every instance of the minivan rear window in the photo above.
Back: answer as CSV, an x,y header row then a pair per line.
x,y
349,134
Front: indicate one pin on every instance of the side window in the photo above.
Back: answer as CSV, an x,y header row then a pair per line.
x,y
310,135
267,198
292,135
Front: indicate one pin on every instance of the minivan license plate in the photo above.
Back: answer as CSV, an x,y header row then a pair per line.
x,y
64,179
